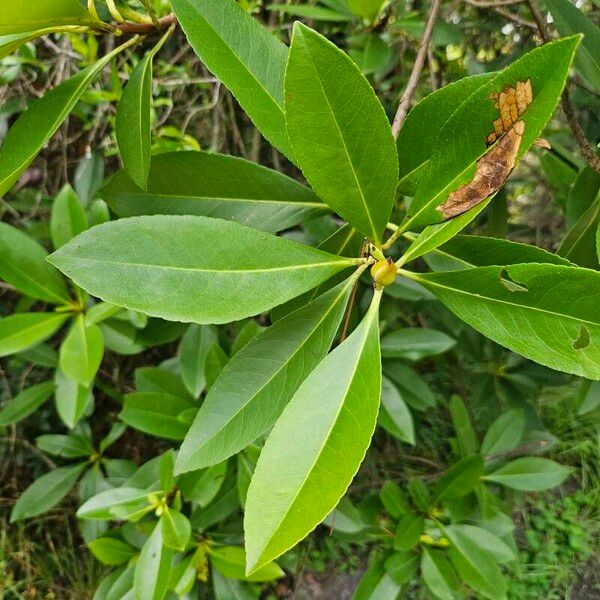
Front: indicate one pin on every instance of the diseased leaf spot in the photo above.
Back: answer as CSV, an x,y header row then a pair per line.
x,y
510,284
583,340
512,102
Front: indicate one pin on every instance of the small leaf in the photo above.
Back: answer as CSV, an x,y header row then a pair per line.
x,y
20,16
484,539
461,421
530,474
68,218
438,574
504,433
377,584
176,529
81,352
196,343
231,561
143,263
460,479
111,551
408,532
413,389
153,568
394,416
24,330
101,505
27,402
354,174
394,499
72,399
46,492
320,465
415,343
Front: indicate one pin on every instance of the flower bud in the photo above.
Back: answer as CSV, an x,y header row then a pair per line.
x,y
384,272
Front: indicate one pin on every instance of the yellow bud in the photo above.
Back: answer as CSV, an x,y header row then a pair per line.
x,y
384,272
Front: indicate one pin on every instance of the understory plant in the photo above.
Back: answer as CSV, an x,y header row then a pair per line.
x,y
292,351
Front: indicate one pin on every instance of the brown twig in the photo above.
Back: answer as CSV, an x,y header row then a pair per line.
x,y
493,3
415,74
143,28
587,150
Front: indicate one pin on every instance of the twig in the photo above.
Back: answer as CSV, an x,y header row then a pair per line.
x,y
415,74
493,3
507,14
143,28
587,150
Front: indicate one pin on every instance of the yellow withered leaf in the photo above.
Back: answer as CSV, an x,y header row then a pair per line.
x,y
512,102
492,171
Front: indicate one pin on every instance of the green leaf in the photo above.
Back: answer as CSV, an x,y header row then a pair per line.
x,y
46,492
475,566
23,265
143,263
157,413
68,218
230,589
461,421
111,551
530,474
102,505
257,383
402,566
316,13
584,192
157,379
419,492
245,56
423,124
377,584
10,43
71,398
24,330
415,343
579,245
354,174
176,529
21,16
367,9
459,480
466,251
394,416
485,540
394,499
196,343
568,19
438,574
39,122
409,531
547,313
68,446
336,408
590,397
202,486
466,130
165,471
504,433
413,389
27,402
81,352
215,185
153,568
231,561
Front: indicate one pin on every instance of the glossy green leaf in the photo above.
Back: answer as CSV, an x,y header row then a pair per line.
x,y
81,351
143,263
423,124
568,19
39,122
111,551
414,343
157,379
354,174
459,480
23,265
195,345
24,330
530,474
215,185
438,574
46,492
466,130
68,218
25,403
21,15
258,382
394,415
466,437
72,399
228,589
547,313
176,529
336,407
504,433
153,568
158,414
244,55
231,562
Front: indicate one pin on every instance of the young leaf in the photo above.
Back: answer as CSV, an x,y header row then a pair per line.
x,y
81,351
568,19
258,382
438,574
143,263
176,529
231,562
24,330
354,174
27,402
23,265
468,127
153,568
547,313
530,474
336,407
215,185
415,343
46,492
71,398
423,124
68,218
38,123
196,343
132,124
504,433
21,16
244,55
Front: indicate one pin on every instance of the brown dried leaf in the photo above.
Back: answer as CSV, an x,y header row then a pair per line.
x,y
512,102
492,171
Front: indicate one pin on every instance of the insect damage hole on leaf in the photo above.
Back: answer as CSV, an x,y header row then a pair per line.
x,y
583,339
510,284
